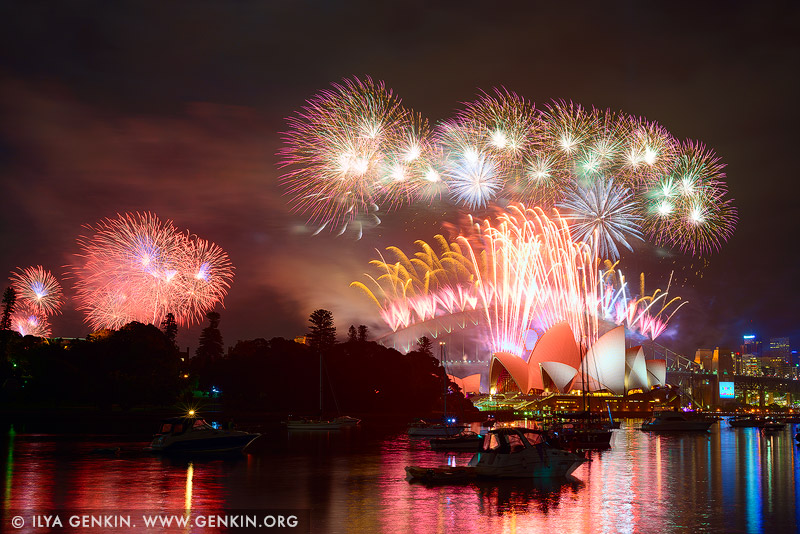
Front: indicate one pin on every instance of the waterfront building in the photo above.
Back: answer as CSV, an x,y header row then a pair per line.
x,y
555,366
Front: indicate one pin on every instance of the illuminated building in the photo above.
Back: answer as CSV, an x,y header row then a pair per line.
x,y
555,365
780,354
751,345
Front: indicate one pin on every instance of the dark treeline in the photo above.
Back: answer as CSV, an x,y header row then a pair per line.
x,y
140,366
359,377
133,366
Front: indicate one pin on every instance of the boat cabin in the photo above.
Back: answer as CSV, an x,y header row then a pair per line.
x,y
514,439
179,425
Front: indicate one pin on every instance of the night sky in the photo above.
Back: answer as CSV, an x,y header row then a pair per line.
x,y
177,107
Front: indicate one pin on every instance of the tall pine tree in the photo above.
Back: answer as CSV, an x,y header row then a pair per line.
x,y
425,346
352,335
9,300
170,328
363,332
322,333
210,347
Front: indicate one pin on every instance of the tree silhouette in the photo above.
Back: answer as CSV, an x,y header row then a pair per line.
x,y
363,332
352,336
210,347
322,333
170,328
9,300
425,346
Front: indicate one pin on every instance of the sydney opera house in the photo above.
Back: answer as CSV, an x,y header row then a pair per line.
x,y
555,365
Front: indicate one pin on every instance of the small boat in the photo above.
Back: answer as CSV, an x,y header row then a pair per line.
x,y
190,434
322,424
440,475
771,425
745,421
575,437
508,452
346,420
583,430
423,429
672,421
463,441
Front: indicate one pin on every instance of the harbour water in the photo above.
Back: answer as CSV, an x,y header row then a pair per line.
x,y
353,480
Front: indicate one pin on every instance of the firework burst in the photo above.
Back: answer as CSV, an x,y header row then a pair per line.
x,y
603,216
352,148
38,290
138,268
687,206
645,314
522,272
30,322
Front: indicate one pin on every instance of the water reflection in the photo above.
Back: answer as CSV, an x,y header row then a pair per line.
x,y
727,480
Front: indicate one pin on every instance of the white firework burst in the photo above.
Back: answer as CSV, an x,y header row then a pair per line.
x,y
603,216
473,178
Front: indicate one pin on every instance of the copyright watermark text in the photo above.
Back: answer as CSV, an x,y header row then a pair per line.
x,y
290,521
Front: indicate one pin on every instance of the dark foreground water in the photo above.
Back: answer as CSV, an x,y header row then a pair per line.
x,y
727,480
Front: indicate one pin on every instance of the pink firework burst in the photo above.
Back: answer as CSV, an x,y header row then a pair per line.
x,y
137,268
29,322
37,290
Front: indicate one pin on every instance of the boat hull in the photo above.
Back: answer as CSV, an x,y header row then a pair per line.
x,y
586,439
548,463
693,426
457,443
315,425
208,445
435,431
441,475
745,423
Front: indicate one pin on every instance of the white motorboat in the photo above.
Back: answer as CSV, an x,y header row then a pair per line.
x,y
671,421
193,435
509,452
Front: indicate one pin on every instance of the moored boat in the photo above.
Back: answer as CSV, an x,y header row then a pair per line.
x,y
745,421
583,431
346,420
440,475
771,425
509,452
464,441
191,435
423,429
583,436
322,424
676,421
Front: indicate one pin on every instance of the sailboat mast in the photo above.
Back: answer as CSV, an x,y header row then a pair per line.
x,y
444,366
